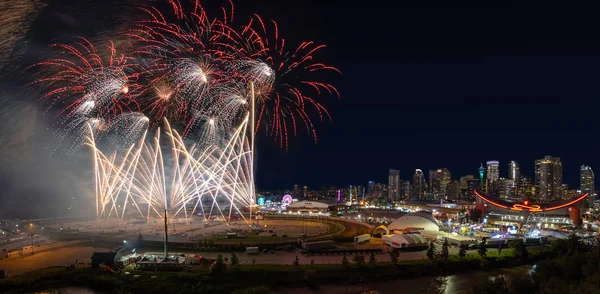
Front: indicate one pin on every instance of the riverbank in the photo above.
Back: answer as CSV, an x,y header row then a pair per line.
x,y
252,276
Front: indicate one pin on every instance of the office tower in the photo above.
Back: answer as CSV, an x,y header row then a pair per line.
x,y
305,192
548,178
419,188
296,191
394,185
472,185
493,171
463,181
514,172
438,180
453,191
371,188
586,177
405,190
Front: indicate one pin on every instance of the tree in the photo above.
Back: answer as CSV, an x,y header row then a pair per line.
x,y
359,260
520,250
372,259
345,261
218,266
445,253
463,251
234,259
482,247
394,255
431,251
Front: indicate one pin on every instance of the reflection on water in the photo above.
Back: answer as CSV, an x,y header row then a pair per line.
x,y
455,284
69,290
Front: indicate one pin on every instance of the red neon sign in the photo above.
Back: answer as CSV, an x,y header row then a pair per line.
x,y
533,207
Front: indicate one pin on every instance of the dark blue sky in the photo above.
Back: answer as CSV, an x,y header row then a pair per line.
x,y
424,85
428,86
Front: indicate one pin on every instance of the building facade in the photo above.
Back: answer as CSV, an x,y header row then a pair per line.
x,y
394,185
548,178
493,171
419,188
586,177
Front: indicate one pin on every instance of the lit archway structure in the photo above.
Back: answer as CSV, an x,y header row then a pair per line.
x,y
570,207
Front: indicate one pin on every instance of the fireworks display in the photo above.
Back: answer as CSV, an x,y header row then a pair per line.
x,y
218,82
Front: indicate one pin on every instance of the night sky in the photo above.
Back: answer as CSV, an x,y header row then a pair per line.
x,y
446,86
423,86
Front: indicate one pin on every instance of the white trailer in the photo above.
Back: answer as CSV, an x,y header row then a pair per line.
x,y
362,238
252,250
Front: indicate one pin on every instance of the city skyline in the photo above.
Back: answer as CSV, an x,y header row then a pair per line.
x,y
408,174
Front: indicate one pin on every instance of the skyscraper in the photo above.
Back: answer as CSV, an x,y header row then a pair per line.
x,y
419,188
470,192
493,171
438,180
453,191
394,185
464,179
514,172
371,188
405,191
548,178
586,177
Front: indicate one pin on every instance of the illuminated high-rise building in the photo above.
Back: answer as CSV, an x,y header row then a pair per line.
x,y
438,180
514,172
586,177
463,181
493,171
548,178
296,192
405,190
453,191
419,188
305,192
371,188
472,185
394,185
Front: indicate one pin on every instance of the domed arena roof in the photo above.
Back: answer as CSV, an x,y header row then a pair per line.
x,y
416,220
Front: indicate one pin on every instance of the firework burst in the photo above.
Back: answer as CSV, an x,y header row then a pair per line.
x,y
219,82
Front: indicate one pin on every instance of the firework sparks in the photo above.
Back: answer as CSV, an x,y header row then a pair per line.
x,y
199,73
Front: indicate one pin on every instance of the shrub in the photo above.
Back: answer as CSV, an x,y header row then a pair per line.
x,y
445,252
482,247
359,260
234,259
431,251
394,255
372,259
345,261
462,252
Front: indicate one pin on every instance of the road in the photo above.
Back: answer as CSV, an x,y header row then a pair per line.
x,y
57,257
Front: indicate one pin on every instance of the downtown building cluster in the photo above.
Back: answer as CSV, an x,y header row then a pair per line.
x,y
546,185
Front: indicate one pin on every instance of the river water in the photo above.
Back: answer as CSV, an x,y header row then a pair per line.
x,y
456,284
